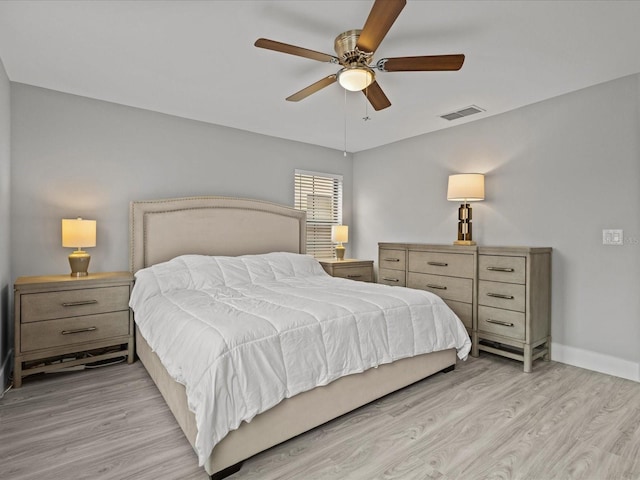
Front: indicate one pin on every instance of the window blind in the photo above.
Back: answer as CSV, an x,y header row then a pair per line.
x,y
320,195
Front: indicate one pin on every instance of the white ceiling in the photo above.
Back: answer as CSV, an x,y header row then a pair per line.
x,y
196,59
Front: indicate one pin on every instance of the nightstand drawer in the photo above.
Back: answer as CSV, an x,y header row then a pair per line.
x,y
391,277
448,288
71,303
501,295
392,259
464,311
500,268
362,274
501,322
452,264
69,331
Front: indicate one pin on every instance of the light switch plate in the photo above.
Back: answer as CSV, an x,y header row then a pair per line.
x,y
612,237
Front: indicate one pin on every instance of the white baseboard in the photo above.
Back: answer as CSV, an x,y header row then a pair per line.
x,y
597,362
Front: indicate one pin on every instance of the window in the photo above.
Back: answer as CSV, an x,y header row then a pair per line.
x,y
320,194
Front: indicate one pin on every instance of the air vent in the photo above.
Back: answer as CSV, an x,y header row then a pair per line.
x,y
463,112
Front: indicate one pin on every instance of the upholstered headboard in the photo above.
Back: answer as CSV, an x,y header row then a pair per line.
x,y
162,229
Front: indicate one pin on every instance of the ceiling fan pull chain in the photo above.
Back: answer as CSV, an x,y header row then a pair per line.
x,y
345,123
366,105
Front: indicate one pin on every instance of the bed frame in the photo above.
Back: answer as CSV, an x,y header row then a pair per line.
x,y
163,229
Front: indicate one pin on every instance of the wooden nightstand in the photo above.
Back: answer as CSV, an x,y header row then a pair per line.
x,y
361,270
60,316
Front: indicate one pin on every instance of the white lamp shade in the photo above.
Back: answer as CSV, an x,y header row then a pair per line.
x,y
340,233
466,187
78,233
355,79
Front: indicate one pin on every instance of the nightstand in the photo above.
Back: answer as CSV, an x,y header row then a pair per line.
x,y
360,270
63,321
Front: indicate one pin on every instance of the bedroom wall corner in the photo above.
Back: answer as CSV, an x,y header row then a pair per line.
x,y
6,325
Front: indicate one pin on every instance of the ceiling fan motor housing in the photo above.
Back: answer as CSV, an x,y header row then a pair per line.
x,y
349,54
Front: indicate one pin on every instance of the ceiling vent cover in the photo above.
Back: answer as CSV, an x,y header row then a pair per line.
x,y
463,112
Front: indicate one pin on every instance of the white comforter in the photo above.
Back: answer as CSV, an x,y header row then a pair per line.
x,y
243,333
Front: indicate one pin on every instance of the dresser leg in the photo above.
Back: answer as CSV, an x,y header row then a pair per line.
x,y
475,349
527,358
17,374
547,356
130,352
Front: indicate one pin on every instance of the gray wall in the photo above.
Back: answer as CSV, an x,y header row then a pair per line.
x,y
557,173
74,156
6,338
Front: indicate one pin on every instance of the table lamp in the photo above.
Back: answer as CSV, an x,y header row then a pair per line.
x,y
79,233
340,234
465,187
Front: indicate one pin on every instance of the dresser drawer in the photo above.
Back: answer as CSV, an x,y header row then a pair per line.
x,y
362,274
464,311
69,331
452,264
499,268
501,295
392,259
391,277
69,303
448,288
501,322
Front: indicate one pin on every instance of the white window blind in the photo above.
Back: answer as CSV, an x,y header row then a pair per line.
x,y
320,194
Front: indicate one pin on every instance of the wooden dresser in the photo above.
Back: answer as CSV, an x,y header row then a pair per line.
x,y
446,270
62,321
501,294
514,302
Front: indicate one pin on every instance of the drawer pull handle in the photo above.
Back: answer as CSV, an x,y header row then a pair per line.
x,y
79,330
81,302
391,259
354,276
438,264
439,287
499,322
391,279
499,295
500,269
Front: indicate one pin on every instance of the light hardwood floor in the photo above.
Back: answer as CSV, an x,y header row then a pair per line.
x,y
487,419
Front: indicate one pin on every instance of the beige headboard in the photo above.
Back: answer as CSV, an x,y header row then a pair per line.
x,y
162,229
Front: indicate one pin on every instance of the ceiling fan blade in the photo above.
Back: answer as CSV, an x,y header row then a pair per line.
x,y
422,64
376,96
313,88
293,50
382,15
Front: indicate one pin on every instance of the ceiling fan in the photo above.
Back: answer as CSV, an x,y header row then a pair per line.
x,y
355,49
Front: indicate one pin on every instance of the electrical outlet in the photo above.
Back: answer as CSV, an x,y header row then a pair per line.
x,y
612,237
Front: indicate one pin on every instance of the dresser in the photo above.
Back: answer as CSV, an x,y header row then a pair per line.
x,y
514,303
63,321
446,270
359,270
502,295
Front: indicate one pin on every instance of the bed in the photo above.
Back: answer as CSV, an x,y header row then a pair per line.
x,y
170,232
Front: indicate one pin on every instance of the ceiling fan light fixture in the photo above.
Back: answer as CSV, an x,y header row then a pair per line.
x,y
356,78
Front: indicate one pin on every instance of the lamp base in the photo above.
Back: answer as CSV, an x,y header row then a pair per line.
x,y
79,262
340,252
464,242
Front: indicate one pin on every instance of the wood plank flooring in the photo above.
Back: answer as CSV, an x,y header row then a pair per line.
x,y
485,420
